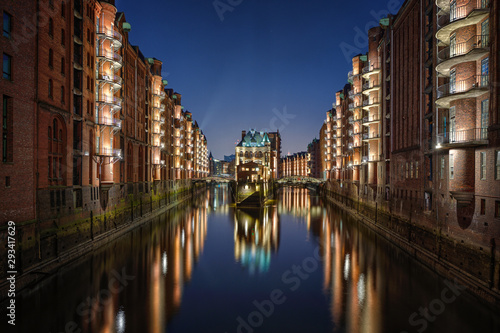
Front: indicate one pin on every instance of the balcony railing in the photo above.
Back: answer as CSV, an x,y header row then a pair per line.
x,y
113,122
370,85
110,152
351,106
464,136
110,56
370,102
368,136
371,118
475,81
351,93
113,79
371,67
115,101
476,42
350,76
110,33
371,158
351,120
459,12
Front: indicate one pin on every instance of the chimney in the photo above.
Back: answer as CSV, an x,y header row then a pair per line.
x,y
243,133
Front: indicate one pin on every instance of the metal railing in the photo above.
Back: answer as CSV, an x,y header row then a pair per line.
x,y
114,122
462,136
109,55
111,152
370,102
371,118
373,135
110,78
459,12
475,42
110,33
109,100
472,82
371,67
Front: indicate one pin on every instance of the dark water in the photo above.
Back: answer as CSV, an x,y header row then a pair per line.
x,y
296,266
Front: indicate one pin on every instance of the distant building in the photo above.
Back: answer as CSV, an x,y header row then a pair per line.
x,y
258,147
296,165
314,162
229,158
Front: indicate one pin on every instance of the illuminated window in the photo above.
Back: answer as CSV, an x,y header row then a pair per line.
x,y
483,165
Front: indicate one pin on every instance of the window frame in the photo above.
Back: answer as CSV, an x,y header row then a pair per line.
x,y
7,33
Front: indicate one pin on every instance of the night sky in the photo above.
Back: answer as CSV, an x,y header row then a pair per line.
x,y
262,64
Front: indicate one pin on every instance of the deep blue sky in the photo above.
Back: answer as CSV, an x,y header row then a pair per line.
x,y
264,58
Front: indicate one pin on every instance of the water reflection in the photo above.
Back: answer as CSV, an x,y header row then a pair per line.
x,y
256,235
205,264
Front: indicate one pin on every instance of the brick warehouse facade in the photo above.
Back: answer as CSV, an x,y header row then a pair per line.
x,y
89,131
415,135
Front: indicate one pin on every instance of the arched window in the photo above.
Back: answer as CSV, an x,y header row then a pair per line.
x,y
51,58
54,127
50,88
51,27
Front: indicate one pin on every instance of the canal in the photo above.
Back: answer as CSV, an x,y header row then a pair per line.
x,y
298,265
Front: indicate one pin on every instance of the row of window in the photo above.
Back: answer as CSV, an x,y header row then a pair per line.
x,y
482,210
51,92
482,166
51,62
411,171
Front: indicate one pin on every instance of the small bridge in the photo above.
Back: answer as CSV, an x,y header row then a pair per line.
x,y
300,180
214,179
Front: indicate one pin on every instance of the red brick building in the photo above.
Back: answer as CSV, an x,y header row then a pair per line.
x,y
18,124
88,129
418,131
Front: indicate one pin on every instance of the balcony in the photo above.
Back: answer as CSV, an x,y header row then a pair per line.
x,y
373,68
111,122
350,76
460,16
351,120
367,104
114,102
371,136
462,139
471,87
371,158
108,152
113,57
159,163
114,80
351,93
471,50
351,106
370,120
370,86
114,36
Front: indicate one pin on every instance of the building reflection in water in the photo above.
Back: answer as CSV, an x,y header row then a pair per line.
x,y
350,274
256,236
171,249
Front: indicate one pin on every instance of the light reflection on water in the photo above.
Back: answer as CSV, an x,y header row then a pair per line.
x,y
205,266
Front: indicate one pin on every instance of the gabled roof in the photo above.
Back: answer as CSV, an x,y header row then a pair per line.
x,y
254,139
